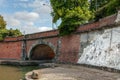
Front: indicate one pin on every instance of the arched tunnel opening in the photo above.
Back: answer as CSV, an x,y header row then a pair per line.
x,y
42,52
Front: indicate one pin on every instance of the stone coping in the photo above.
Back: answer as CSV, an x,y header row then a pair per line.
x,y
23,63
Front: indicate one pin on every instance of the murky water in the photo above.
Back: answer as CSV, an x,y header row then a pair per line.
x,y
15,72
10,73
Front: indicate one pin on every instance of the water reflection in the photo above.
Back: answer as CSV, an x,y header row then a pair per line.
x,y
10,73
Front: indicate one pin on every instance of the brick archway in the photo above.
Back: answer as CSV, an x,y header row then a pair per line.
x,y
42,51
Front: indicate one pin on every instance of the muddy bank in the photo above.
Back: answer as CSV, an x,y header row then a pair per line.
x,y
70,72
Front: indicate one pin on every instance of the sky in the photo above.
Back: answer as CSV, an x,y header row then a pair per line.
x,y
29,16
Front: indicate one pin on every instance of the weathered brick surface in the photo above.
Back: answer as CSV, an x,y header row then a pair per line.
x,y
53,41
110,20
10,50
102,23
29,44
43,34
68,46
69,49
13,38
88,27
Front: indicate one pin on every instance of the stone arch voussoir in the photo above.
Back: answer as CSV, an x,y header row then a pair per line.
x,y
41,42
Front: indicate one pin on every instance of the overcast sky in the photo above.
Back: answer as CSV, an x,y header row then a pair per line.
x,y
27,15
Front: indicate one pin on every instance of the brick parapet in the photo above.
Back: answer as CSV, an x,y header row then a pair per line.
x,y
68,46
43,34
19,38
102,23
46,34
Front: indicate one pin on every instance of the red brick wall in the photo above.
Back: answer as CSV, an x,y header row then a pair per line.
x,y
10,50
102,23
43,34
29,45
13,38
69,49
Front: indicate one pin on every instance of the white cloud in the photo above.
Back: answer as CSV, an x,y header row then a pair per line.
x,y
24,22
41,6
26,16
21,19
35,4
43,10
45,29
30,22
31,29
24,0
11,21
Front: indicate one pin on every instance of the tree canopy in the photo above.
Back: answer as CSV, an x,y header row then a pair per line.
x,y
2,23
5,32
15,32
72,13
96,4
104,8
75,12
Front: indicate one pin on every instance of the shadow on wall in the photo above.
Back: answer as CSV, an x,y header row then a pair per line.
x,y
42,52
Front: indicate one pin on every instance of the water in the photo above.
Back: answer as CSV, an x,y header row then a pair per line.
x,y
10,73
15,72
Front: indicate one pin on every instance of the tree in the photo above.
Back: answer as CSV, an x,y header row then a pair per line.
x,y
104,8
12,32
5,32
72,13
96,4
112,7
2,23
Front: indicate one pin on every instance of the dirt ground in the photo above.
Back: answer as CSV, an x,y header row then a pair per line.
x,y
70,72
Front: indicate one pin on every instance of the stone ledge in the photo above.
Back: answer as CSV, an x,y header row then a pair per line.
x,y
23,63
92,66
